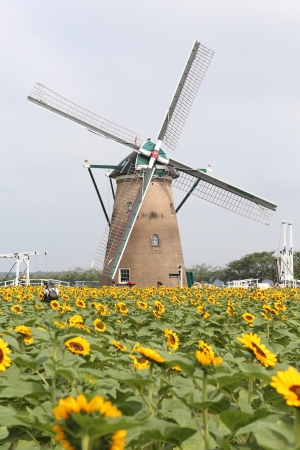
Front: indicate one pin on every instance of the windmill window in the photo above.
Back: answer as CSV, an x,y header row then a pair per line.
x,y
154,240
172,208
129,206
124,275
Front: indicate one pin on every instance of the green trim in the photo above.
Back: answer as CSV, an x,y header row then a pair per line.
x,y
97,166
187,195
99,196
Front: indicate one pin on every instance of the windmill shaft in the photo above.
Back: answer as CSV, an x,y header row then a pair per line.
x,y
131,221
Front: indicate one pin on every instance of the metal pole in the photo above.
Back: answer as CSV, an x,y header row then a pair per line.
x,y
291,251
187,195
17,272
112,188
99,196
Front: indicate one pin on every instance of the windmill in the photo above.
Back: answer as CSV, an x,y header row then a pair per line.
x,y
142,239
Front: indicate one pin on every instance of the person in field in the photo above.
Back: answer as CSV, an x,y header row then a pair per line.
x,y
51,292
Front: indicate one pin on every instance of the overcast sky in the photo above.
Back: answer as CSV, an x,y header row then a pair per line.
x,y
122,60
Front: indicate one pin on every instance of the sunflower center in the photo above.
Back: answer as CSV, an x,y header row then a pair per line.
x,y
259,350
171,339
296,389
1,356
76,346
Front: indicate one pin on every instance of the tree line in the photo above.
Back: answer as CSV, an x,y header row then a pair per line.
x,y
254,265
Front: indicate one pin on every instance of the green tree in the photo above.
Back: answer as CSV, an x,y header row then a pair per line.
x,y
297,265
205,272
255,265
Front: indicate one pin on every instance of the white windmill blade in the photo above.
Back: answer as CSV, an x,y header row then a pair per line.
x,y
219,192
185,93
44,97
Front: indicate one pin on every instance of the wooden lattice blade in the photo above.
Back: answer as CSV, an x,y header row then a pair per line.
x,y
44,97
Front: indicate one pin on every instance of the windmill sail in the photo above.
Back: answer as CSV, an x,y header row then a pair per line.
x,y
44,97
223,194
189,83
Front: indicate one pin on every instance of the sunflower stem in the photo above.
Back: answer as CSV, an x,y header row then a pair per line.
x,y
53,380
150,391
205,412
85,443
297,427
250,389
268,331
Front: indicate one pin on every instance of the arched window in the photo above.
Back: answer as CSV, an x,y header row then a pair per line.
x,y
129,206
154,240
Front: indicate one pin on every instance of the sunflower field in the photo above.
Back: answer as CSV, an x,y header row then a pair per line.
x,y
153,369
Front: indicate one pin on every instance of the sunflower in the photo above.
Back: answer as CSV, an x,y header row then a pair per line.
x,y
283,317
80,303
99,325
78,345
151,355
60,325
140,363
118,345
75,319
211,300
248,317
28,340
207,359
66,308
122,308
200,309
17,309
65,297
205,315
260,351
207,349
5,360
97,406
159,306
55,305
22,329
287,383
279,306
142,305
172,339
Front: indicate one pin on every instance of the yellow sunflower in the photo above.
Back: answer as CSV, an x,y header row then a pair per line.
x,y
211,300
279,306
122,308
118,345
207,349
205,315
159,306
78,345
66,407
80,303
55,305
5,360
28,340
60,325
99,325
260,351
17,309
140,363
207,359
287,383
142,305
22,329
248,317
172,339
75,319
151,355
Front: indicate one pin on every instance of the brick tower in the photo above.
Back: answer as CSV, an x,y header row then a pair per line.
x,y
154,248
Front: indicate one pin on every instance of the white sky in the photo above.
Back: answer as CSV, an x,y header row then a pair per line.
x,y
122,60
